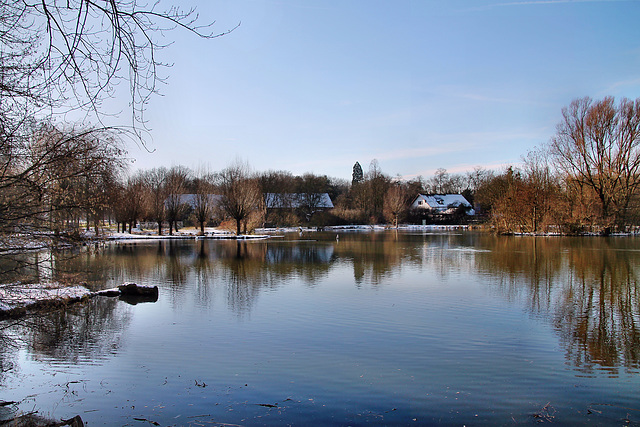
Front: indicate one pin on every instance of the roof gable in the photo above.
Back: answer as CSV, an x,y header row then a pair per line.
x,y
446,200
442,202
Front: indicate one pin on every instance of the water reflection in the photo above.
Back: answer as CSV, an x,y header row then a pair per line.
x,y
374,256
244,268
8,350
85,332
586,288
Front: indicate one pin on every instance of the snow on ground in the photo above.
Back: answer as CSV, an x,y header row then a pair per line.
x,y
19,295
185,233
358,227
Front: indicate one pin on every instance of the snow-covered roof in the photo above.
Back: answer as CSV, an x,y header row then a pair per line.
x,y
296,200
442,202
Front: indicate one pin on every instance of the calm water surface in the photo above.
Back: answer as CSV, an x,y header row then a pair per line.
x,y
409,328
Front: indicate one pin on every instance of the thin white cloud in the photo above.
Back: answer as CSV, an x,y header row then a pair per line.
x,y
623,84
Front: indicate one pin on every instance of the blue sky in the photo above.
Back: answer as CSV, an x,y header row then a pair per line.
x,y
314,86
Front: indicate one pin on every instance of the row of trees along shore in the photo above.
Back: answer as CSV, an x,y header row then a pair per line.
x,y
60,61
65,59
584,180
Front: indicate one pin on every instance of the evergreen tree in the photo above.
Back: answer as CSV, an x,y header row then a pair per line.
x,y
357,176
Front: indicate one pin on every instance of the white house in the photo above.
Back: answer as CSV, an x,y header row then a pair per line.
x,y
442,203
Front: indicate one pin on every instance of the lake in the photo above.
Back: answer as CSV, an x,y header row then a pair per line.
x,y
385,328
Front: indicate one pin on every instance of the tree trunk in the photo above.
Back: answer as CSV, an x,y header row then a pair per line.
x,y
238,225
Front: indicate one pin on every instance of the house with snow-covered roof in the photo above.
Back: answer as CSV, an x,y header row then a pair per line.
x,y
442,203
303,204
320,201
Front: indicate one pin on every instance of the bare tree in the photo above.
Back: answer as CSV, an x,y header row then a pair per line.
x,y
439,183
175,186
58,56
156,187
598,144
277,182
377,184
240,192
129,201
493,189
477,177
59,174
395,202
310,195
442,182
44,190
204,202
541,190
72,53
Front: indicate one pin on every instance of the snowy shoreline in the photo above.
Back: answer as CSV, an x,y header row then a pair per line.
x,y
18,299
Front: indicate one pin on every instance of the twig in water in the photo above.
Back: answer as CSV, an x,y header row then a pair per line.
x,y
146,420
546,414
612,405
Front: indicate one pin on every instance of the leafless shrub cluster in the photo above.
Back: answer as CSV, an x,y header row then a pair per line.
x,y
586,179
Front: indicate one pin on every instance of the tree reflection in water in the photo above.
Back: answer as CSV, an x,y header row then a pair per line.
x,y
375,256
88,332
586,287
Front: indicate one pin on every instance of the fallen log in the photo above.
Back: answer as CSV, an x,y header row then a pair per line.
x,y
133,289
114,292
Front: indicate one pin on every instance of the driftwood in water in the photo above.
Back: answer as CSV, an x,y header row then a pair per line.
x,y
133,289
114,292
134,294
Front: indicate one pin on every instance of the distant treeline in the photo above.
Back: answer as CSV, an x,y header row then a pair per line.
x,y
585,179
